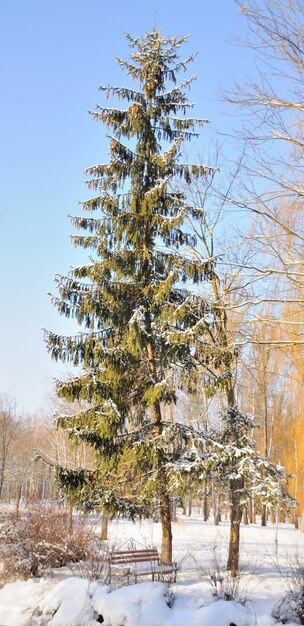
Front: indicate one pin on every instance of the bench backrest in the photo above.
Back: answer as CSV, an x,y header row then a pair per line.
x,y
134,556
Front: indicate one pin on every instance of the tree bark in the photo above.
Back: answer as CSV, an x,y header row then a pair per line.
x,y
70,514
295,518
165,518
104,527
252,518
264,506
173,511
245,515
296,510
165,503
165,514
264,515
205,503
215,505
236,488
2,470
18,498
231,397
236,516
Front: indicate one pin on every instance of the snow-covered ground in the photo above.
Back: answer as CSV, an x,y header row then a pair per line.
x,y
62,599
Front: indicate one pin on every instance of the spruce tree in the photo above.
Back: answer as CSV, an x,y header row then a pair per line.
x,y
226,456
134,299
233,462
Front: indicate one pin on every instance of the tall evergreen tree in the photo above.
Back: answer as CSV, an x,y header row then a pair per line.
x,y
134,300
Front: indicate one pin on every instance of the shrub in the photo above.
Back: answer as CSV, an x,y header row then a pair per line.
x,y
222,585
94,564
291,607
40,540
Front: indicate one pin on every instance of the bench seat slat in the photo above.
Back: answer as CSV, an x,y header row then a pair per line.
x,y
160,570
139,560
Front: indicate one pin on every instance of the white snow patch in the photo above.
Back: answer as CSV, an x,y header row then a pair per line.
x,y
18,601
135,605
74,601
71,601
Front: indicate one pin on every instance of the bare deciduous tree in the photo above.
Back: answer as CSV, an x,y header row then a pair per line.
x,y
8,426
273,184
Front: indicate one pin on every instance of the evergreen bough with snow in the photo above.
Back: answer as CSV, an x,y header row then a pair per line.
x,y
139,318
227,456
235,464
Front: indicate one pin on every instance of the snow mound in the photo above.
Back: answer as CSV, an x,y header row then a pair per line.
x,y
18,600
78,602
136,605
70,603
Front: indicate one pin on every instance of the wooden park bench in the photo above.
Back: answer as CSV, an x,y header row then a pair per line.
x,y
133,561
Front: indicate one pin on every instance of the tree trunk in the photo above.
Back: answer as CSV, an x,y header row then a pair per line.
x,y
264,515
264,506
165,504
236,516
252,510
295,518
296,510
165,518
205,504
18,498
70,510
2,469
173,511
104,527
231,397
215,505
236,488
273,514
245,515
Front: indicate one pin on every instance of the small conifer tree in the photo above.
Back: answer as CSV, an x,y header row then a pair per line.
x,y
235,464
134,300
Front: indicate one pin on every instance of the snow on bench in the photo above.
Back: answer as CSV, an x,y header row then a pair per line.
x,y
135,561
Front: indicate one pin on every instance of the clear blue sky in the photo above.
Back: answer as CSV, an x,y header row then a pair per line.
x,y
54,54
